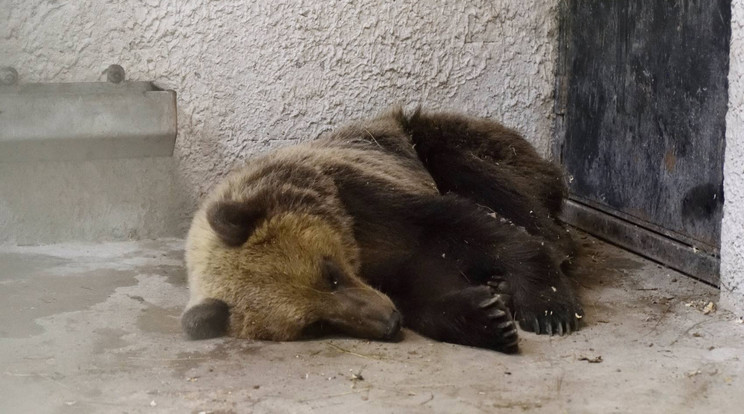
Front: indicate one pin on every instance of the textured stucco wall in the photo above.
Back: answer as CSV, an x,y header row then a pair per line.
x,y
251,75
732,235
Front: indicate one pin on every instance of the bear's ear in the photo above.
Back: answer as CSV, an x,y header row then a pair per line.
x,y
234,221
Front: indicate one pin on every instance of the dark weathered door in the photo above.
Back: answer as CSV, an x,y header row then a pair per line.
x,y
641,103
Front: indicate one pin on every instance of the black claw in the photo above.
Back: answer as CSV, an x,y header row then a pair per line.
x,y
559,328
505,298
497,314
536,325
548,328
489,302
504,325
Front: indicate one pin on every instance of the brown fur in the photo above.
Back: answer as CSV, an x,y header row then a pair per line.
x,y
311,235
272,280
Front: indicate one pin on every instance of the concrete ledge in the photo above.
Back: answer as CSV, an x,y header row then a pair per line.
x,y
86,121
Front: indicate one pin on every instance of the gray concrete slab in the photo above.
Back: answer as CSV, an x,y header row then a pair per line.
x,y
89,328
86,121
95,200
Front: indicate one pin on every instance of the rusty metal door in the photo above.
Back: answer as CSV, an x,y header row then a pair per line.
x,y
641,105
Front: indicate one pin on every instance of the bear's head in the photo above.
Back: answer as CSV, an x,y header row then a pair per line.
x,y
284,276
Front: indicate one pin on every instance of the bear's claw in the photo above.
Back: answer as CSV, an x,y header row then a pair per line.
x,y
501,324
555,324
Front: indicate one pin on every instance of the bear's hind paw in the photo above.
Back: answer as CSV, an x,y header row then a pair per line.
x,y
552,322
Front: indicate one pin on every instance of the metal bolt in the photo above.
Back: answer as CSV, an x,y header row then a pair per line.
x,y
114,74
8,76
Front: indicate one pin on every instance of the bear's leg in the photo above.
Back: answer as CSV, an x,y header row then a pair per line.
x,y
495,167
448,142
507,195
482,249
543,300
473,316
438,302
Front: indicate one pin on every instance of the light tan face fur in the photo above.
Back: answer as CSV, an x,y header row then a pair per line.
x,y
277,283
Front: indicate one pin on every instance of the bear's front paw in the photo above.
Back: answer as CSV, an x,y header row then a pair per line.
x,y
549,313
490,322
474,316
501,324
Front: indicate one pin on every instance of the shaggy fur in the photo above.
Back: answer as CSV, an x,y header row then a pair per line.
x,y
429,210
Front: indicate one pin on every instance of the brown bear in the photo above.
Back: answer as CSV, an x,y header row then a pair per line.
x,y
441,222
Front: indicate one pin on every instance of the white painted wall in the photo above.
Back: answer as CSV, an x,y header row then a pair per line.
x,y
251,75
732,234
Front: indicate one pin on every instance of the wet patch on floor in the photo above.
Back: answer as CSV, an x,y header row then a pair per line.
x,y
175,275
155,319
223,351
15,266
108,339
44,295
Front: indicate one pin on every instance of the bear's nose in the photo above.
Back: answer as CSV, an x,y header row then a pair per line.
x,y
393,325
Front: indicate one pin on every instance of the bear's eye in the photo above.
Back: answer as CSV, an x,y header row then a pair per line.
x,y
332,273
333,281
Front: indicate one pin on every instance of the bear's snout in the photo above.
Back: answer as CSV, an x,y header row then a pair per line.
x,y
364,312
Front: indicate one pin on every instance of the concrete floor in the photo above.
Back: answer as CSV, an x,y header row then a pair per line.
x,y
94,328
